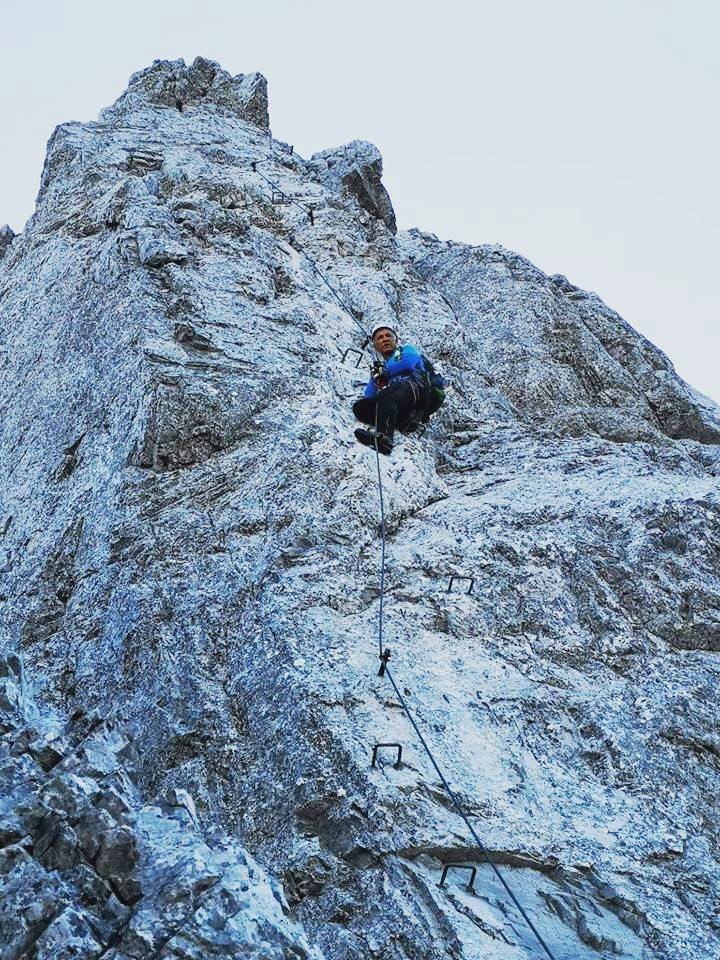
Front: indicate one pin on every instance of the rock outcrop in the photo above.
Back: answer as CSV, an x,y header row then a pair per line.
x,y
87,870
189,541
6,238
565,359
356,167
202,85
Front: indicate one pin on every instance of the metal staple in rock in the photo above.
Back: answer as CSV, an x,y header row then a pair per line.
x,y
279,189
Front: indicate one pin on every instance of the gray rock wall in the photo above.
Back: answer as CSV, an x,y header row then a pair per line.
x,y
190,538
356,168
6,238
89,870
559,353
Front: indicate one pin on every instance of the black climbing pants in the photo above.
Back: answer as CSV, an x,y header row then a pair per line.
x,y
396,405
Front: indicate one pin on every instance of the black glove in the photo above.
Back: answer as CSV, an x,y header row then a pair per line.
x,y
379,374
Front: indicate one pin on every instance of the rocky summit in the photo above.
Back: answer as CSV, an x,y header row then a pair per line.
x,y
190,575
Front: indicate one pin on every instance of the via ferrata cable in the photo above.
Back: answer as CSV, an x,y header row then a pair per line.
x,y
408,713
384,653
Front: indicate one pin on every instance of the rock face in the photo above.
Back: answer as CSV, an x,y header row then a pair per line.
x,y
6,238
190,540
558,353
203,86
357,167
87,870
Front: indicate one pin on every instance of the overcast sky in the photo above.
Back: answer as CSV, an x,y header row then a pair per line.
x,y
586,141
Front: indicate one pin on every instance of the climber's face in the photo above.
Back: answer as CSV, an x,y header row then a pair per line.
x,y
385,341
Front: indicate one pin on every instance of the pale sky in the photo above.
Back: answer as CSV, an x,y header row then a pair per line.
x,y
585,139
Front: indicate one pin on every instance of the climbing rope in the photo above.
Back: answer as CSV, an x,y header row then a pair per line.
x,y
306,210
386,671
296,245
384,652
381,648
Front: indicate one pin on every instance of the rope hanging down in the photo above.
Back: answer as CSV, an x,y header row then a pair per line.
x,y
349,310
385,669
384,657
384,652
295,243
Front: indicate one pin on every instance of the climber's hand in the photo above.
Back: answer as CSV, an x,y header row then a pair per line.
x,y
379,374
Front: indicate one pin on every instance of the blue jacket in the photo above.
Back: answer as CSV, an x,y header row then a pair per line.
x,y
405,364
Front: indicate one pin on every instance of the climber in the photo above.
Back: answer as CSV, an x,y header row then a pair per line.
x,y
397,394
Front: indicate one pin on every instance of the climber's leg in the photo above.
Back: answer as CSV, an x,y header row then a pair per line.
x,y
371,437
364,410
395,405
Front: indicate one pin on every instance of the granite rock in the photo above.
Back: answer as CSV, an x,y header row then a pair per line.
x,y
204,85
77,883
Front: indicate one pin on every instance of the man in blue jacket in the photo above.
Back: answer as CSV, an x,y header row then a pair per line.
x,y
396,393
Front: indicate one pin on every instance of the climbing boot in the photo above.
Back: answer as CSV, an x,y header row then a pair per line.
x,y
368,437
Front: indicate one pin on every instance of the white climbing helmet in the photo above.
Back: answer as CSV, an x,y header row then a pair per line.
x,y
383,326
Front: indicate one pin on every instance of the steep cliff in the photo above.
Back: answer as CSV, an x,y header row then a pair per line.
x,y
190,554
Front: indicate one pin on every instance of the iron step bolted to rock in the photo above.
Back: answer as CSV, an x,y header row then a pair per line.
x,y
456,578
459,866
352,350
279,197
387,746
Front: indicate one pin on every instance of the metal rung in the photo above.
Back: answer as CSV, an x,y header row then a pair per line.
x,y
459,866
353,350
393,746
454,577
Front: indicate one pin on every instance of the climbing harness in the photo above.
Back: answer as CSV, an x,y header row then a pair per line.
x,y
384,652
